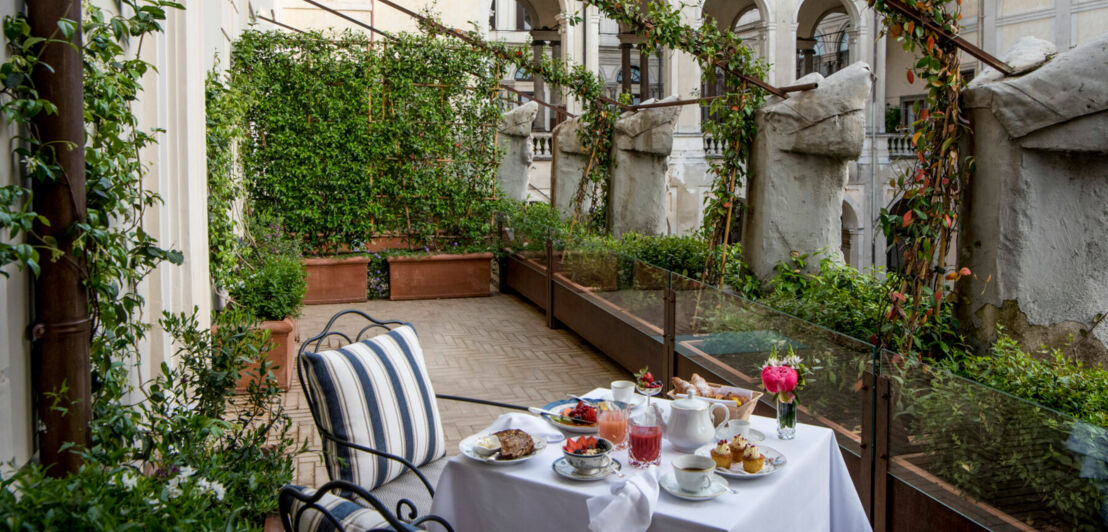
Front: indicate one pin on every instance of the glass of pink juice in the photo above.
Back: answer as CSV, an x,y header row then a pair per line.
x,y
645,440
612,426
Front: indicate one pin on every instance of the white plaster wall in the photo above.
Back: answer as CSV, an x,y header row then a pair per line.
x,y
15,364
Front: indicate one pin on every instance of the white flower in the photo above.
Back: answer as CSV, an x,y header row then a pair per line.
x,y
792,360
212,486
155,503
771,362
187,472
172,490
129,480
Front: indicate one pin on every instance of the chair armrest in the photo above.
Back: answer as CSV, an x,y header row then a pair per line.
x,y
311,501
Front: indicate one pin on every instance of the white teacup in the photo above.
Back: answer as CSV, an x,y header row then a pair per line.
x,y
693,472
623,391
740,427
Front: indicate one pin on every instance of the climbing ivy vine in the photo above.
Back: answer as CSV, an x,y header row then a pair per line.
x,y
368,139
719,53
596,123
932,190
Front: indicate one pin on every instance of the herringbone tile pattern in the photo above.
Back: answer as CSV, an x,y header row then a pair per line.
x,y
494,348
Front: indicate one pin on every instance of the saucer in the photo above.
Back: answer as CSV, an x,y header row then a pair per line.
x,y
718,487
562,467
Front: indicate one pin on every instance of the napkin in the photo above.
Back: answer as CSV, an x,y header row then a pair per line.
x,y
629,507
535,426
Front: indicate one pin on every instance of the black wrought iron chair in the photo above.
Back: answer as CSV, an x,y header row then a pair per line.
x,y
351,508
374,372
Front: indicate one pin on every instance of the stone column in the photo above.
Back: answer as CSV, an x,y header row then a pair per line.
x,y
539,91
514,137
567,167
798,169
644,74
625,65
640,153
1035,223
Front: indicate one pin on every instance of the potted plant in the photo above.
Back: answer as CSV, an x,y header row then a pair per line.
x,y
454,271
271,285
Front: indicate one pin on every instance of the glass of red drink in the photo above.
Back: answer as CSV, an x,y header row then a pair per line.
x,y
646,439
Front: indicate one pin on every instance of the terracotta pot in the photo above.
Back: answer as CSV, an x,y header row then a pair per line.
x,y
273,523
439,276
334,280
282,338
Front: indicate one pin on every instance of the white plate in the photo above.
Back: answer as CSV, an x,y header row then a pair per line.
x,y
562,467
727,431
718,487
775,461
466,447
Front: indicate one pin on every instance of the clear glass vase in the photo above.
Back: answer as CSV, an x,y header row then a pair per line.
x,y
786,419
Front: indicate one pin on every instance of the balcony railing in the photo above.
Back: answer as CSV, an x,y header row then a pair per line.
x,y
542,142
953,453
713,148
899,145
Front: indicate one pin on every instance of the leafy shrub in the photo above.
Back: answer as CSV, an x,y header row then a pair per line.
x,y
368,140
181,459
1046,377
270,281
838,297
273,289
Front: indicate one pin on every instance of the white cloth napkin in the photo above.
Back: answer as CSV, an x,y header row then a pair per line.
x,y
535,426
630,506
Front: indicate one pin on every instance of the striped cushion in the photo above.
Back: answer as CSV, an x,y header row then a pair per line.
x,y
376,393
352,517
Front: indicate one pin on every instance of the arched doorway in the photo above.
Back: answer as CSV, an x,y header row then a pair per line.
x,y
849,231
894,253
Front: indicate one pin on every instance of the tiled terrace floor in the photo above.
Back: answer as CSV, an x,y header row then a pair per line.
x,y
495,348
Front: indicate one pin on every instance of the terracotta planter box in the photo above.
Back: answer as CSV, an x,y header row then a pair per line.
x,y
439,276
336,280
282,339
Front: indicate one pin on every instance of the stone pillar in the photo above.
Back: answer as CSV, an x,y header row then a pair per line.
x,y
640,153
644,74
798,169
592,39
625,65
567,167
538,91
1035,222
514,137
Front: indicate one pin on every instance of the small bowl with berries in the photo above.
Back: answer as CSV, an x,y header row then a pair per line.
x,y
647,384
587,454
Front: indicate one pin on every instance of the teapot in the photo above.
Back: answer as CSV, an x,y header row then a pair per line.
x,y
689,424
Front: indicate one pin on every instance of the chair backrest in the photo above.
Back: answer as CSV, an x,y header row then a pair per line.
x,y
374,393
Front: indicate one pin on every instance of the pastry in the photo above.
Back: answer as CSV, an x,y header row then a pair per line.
x,y
514,443
681,386
752,459
721,454
738,443
702,387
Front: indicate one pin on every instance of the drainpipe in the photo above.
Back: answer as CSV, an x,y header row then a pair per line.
x,y
873,147
62,328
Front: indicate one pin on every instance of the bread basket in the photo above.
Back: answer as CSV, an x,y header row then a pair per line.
x,y
736,412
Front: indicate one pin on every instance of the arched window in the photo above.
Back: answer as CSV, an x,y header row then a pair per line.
x,y
635,75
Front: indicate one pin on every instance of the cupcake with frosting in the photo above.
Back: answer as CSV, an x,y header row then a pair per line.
x,y
753,461
721,454
738,443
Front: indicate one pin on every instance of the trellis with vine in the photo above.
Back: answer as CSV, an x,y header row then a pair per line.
x,y
596,123
718,53
931,191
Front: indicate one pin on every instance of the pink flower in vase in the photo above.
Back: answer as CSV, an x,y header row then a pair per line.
x,y
779,379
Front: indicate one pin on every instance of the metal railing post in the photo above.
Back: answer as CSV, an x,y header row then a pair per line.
x,y
669,331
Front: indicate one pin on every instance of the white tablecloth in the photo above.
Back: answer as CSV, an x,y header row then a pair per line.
x,y
814,492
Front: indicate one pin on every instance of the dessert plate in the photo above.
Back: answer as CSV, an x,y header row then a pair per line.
x,y
775,461
466,448
562,467
559,406
726,431
717,487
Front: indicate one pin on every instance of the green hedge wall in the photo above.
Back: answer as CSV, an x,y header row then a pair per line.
x,y
347,139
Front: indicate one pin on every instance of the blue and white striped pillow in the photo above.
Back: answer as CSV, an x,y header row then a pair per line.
x,y
376,393
352,517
